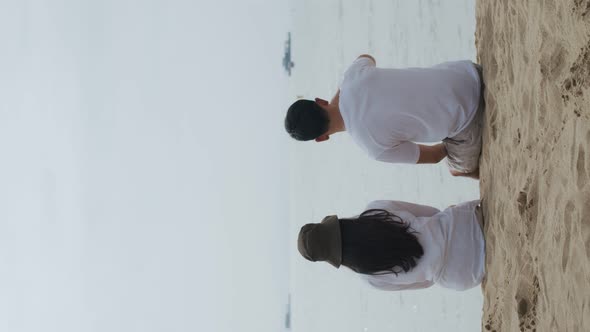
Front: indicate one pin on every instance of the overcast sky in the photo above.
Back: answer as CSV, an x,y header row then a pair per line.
x,y
143,181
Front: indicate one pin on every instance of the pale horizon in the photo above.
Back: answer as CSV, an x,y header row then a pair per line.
x,y
143,180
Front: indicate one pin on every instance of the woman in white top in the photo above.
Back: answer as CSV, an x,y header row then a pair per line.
x,y
397,245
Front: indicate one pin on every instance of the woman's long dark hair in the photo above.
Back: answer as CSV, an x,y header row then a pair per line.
x,y
378,242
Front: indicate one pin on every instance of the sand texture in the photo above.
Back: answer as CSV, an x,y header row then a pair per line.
x,y
536,164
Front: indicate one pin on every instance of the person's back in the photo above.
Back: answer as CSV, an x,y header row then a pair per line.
x,y
387,110
453,243
391,112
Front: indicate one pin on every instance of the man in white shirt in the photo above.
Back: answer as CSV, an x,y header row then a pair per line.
x,y
388,111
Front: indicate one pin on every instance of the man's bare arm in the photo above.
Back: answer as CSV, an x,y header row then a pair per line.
x,y
336,98
431,154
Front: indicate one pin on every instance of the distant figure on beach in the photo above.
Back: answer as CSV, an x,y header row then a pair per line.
x,y
389,111
398,245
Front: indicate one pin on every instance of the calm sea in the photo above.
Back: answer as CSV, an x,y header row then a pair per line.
x,y
337,178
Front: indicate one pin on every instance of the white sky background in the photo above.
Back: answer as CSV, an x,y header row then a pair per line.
x,y
142,182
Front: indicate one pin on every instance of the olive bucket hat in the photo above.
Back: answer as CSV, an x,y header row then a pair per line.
x,y
321,242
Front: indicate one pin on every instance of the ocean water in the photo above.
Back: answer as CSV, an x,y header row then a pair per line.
x,y
336,177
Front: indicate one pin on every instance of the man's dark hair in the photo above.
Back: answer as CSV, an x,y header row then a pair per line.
x,y
306,120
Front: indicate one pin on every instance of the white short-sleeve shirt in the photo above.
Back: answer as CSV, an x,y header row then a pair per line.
x,y
387,110
453,244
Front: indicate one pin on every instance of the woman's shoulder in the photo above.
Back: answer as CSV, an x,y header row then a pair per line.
x,y
416,210
395,207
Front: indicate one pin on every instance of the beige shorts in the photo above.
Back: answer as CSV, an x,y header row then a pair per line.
x,y
464,149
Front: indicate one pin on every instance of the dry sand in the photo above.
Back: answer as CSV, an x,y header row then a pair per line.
x,y
536,164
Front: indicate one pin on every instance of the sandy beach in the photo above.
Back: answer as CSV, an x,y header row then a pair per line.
x,y
536,164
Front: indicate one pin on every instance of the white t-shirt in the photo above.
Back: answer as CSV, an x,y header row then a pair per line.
x,y
453,244
387,110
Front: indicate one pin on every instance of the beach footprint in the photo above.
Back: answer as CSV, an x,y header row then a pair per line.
x,y
553,59
585,225
527,207
491,324
527,295
581,167
578,78
581,7
567,223
491,116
